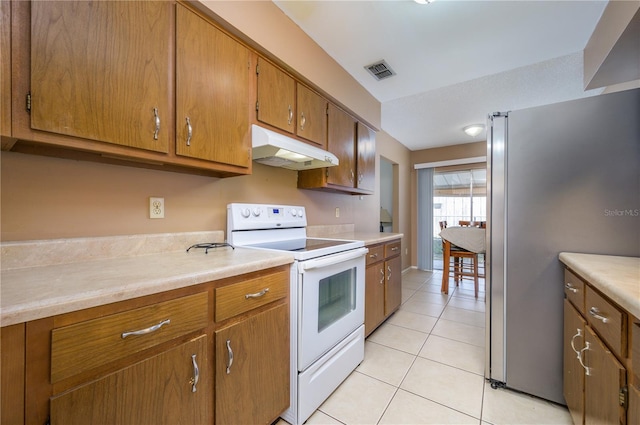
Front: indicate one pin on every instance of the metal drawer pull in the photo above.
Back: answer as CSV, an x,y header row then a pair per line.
x,y
570,287
196,374
303,121
382,277
597,314
373,255
147,330
230,353
572,340
157,121
257,294
587,370
395,248
189,132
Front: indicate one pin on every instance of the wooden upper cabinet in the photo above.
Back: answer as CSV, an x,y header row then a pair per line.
x,y
276,97
102,71
312,116
366,158
341,142
5,70
212,92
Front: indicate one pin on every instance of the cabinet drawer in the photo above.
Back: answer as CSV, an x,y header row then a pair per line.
x,y
237,298
86,345
574,290
607,320
391,249
375,254
635,353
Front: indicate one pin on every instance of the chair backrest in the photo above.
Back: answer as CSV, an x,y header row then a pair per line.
x,y
467,223
443,224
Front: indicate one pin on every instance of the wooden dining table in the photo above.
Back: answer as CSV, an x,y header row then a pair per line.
x,y
469,238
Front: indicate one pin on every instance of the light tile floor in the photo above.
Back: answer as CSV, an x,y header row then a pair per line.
x,y
425,365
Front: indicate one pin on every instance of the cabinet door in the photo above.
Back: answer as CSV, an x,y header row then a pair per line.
x,y
603,383
252,368
158,390
633,414
374,297
276,97
573,372
366,157
12,355
5,68
312,116
393,285
341,142
101,71
212,93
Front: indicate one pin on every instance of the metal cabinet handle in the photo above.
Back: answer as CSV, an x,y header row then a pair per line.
x,y
389,270
146,330
382,277
189,132
230,358
572,341
290,116
352,175
303,120
570,287
587,370
598,314
157,122
395,248
196,374
373,255
257,294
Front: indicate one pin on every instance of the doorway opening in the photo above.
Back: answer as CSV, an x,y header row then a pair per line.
x,y
457,195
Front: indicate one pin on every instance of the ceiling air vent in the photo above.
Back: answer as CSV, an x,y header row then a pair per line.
x,y
380,70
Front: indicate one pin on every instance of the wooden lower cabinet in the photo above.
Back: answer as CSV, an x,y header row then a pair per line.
x,y
165,389
383,283
573,372
597,369
12,348
252,368
603,383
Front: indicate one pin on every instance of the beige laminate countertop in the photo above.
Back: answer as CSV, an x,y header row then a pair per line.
x,y
37,292
368,238
616,277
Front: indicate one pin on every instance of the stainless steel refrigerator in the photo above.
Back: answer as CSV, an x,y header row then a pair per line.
x,y
561,177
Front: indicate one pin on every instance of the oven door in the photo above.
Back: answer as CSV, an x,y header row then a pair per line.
x,y
330,302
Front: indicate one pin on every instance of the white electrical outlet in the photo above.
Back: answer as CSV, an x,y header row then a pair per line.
x,y
156,207
337,212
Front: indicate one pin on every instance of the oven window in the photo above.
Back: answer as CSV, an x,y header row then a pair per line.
x,y
337,297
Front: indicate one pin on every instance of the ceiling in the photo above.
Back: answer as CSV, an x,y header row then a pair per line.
x,y
455,61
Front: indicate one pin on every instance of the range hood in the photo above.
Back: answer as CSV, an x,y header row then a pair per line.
x,y
277,150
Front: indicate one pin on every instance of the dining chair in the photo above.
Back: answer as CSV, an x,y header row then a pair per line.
x,y
460,269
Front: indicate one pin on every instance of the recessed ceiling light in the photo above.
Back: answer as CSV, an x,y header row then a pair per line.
x,y
474,129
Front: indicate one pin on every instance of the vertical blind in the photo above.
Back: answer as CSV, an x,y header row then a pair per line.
x,y
425,219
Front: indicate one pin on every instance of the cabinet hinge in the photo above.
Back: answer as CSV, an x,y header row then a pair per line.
x,y
622,397
29,102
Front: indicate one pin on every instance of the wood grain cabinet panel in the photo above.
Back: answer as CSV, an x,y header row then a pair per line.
x,y
158,390
383,283
276,97
86,345
100,71
607,320
237,298
12,373
212,92
573,371
5,68
393,285
366,158
341,142
312,116
252,368
374,296
574,290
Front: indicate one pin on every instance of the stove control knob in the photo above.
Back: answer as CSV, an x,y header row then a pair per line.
x,y
294,212
256,212
300,213
245,212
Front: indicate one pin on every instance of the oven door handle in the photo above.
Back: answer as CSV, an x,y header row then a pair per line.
x,y
330,260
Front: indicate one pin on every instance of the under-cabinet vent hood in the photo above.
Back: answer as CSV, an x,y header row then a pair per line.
x,y
277,150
